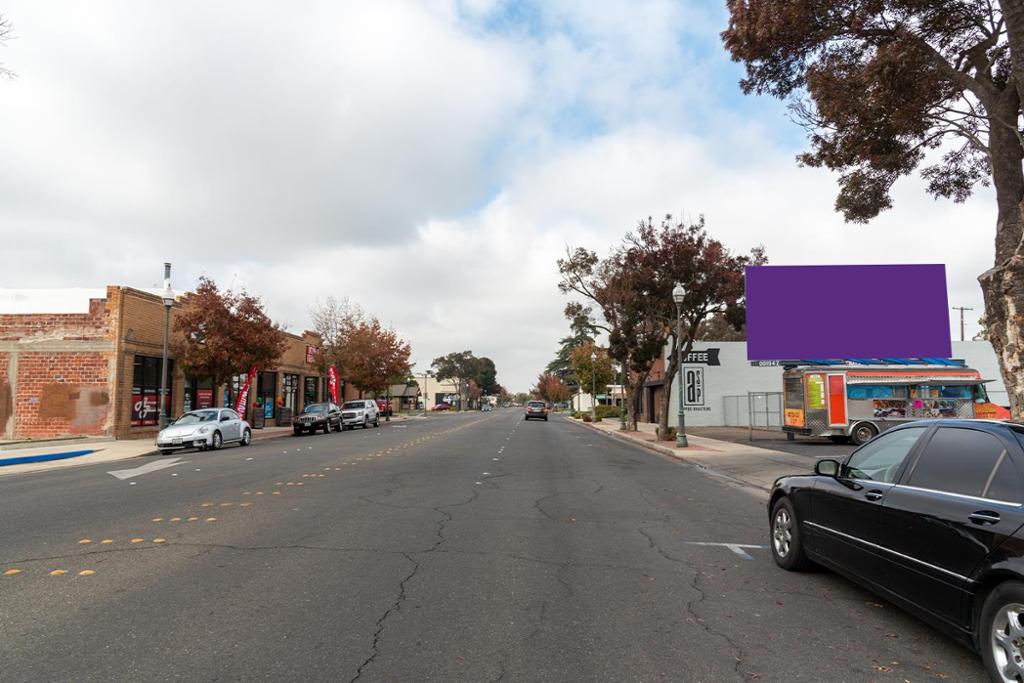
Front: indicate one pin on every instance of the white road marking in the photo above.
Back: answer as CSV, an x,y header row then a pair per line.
x,y
147,468
737,548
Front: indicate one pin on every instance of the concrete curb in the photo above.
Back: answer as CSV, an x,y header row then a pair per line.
x,y
662,450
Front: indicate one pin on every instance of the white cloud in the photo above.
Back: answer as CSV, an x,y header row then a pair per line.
x,y
429,160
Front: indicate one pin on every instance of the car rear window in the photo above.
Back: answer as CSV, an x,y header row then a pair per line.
x,y
535,404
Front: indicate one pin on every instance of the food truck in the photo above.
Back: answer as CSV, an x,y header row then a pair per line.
x,y
856,400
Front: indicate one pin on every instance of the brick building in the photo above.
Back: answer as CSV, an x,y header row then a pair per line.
x,y
97,371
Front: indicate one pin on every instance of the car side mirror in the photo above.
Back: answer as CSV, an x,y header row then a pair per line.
x,y
827,467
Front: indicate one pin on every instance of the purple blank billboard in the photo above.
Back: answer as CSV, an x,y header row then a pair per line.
x,y
819,312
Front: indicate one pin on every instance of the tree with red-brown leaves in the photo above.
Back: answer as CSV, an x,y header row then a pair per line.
x,y
551,388
712,276
372,355
883,85
223,333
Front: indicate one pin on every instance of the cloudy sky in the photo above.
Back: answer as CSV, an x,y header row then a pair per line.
x,y
428,159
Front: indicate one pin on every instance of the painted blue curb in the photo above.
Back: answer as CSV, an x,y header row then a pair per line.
x,y
42,458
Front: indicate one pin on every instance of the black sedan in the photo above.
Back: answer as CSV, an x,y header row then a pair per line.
x,y
928,515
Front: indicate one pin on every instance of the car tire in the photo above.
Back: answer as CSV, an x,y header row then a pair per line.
x,y
787,542
164,451
376,422
862,433
246,437
1001,651
296,432
545,419
216,441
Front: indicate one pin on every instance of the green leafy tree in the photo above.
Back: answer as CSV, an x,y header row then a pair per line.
x,y
458,367
590,373
581,331
883,86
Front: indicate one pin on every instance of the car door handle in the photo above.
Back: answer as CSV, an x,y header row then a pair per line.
x,y
984,517
874,495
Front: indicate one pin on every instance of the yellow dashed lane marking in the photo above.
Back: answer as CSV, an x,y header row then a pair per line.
x,y
158,519
226,505
175,519
244,505
159,540
193,519
107,541
276,493
211,519
205,505
138,540
86,572
58,572
85,541
259,493
12,572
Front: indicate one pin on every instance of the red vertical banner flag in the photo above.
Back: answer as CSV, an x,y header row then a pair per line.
x,y
332,383
242,404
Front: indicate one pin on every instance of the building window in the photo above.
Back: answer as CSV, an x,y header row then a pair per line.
x,y
291,392
266,392
198,394
145,409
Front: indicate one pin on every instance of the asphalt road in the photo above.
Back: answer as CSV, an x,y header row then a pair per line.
x,y
457,548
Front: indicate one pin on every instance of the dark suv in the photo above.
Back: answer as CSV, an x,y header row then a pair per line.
x,y
325,416
929,516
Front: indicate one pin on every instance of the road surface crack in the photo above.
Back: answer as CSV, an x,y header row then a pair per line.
x,y
379,632
691,605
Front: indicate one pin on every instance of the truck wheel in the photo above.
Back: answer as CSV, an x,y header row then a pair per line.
x,y
862,433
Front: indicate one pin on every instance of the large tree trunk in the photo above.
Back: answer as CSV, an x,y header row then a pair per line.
x,y
1003,284
671,370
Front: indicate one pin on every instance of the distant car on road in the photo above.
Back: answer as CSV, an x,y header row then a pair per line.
x,y
486,408
325,416
384,407
209,428
928,515
536,410
360,413
442,406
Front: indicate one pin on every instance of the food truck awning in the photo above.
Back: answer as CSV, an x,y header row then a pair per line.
x,y
903,380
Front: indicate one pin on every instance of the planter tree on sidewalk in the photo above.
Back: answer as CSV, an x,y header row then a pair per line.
x,y
712,276
882,86
588,373
636,334
372,356
223,333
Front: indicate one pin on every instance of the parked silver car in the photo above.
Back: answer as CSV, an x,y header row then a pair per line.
x,y
361,412
209,428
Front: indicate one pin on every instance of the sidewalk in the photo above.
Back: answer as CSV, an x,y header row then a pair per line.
x,y
749,466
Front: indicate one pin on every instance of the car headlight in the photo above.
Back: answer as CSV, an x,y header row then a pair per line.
x,y
204,430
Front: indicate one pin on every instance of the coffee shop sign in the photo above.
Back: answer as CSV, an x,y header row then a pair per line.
x,y
705,357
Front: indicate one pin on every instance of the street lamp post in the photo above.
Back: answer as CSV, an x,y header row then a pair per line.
x,y
168,299
678,295
622,397
593,385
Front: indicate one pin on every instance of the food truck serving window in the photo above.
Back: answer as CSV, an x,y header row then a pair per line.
x,y
962,391
856,391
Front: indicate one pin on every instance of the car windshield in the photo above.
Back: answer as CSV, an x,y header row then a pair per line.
x,y
315,408
197,417
354,404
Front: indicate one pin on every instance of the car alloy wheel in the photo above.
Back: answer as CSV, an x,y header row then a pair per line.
x,y
1007,642
217,441
782,532
246,437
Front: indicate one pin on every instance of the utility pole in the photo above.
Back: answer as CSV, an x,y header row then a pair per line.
x,y
962,309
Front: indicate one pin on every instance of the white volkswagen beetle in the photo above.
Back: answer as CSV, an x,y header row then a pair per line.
x,y
207,428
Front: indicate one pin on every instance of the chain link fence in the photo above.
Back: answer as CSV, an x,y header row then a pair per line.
x,y
754,410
